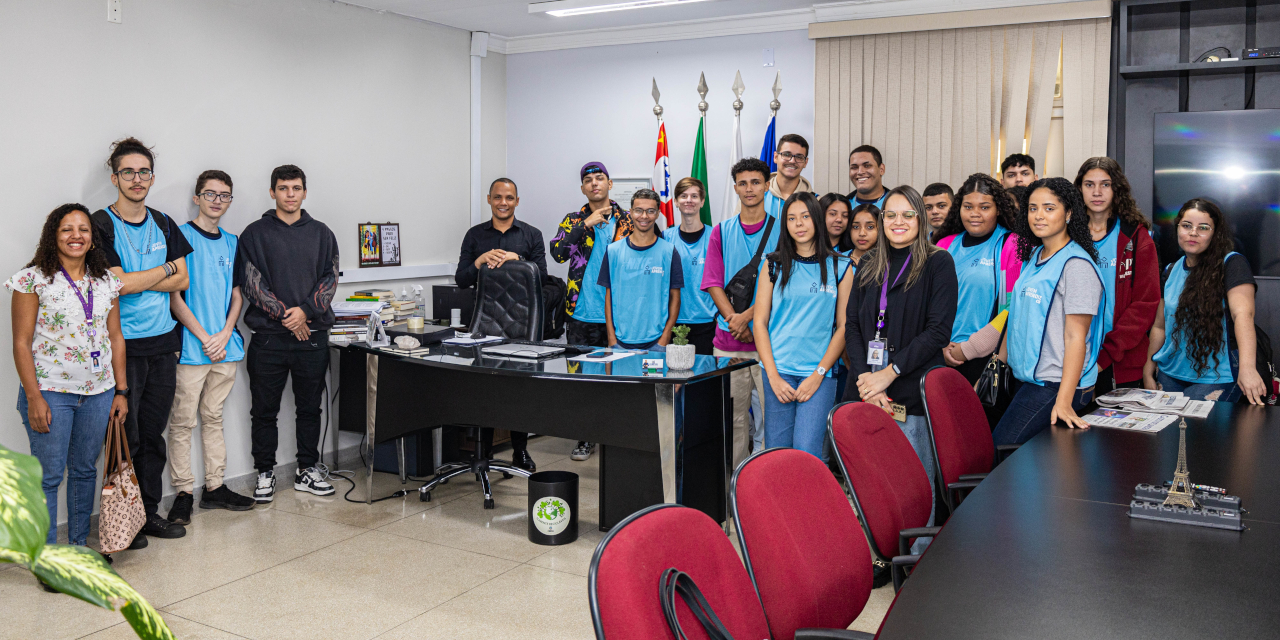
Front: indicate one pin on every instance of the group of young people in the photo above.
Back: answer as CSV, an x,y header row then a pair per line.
x,y
126,318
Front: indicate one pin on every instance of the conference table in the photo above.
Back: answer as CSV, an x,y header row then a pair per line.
x,y
1044,548
664,436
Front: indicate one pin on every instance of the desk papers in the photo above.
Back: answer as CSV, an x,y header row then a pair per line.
x,y
615,354
471,341
1148,401
1130,420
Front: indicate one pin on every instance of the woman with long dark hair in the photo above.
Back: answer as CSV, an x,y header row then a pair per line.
x,y
836,213
1192,348
1130,271
800,298
69,353
899,317
977,233
1055,325
864,230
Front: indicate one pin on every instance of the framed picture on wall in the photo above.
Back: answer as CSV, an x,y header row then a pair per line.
x,y
379,244
624,188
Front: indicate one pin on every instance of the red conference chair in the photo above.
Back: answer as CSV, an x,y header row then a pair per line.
x,y
889,486
811,566
963,451
628,563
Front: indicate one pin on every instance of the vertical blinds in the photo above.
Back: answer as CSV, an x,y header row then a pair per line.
x,y
943,104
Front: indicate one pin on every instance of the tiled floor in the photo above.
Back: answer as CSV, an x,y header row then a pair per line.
x,y
306,567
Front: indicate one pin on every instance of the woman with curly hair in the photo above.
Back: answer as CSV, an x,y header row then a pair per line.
x,y
1055,326
976,233
1197,357
1130,271
69,354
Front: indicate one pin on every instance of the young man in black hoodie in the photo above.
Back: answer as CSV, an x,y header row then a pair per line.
x,y
287,267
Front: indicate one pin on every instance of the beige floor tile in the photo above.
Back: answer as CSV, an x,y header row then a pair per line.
x,y
873,613
222,546
27,611
336,509
527,603
181,628
588,470
385,581
552,449
574,557
466,524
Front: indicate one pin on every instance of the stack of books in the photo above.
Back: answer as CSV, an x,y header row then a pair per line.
x,y
371,295
402,309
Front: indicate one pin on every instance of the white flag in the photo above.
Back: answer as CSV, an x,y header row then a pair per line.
x,y
730,206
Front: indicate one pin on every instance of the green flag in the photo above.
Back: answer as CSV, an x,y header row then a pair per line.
x,y
699,169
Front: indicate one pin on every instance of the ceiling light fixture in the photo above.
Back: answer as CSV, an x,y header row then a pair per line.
x,y
563,8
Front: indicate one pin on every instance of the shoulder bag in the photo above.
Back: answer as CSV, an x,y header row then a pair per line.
x,y
122,515
676,582
994,387
741,288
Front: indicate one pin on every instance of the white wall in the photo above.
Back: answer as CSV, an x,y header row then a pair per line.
x,y
374,107
566,108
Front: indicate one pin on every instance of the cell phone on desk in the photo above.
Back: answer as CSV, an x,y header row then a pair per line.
x,y
599,354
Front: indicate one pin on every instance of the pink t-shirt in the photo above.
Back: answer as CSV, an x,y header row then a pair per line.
x,y
713,276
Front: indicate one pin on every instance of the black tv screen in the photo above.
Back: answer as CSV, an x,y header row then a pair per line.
x,y
1231,158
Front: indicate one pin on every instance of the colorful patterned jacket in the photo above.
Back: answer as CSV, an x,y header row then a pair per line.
x,y
573,244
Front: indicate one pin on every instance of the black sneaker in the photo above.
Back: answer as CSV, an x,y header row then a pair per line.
x,y
180,512
224,498
139,542
582,451
523,460
266,490
311,481
161,528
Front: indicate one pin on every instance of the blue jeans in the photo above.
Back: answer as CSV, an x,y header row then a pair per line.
x,y
802,425
76,432
917,431
1229,392
1029,412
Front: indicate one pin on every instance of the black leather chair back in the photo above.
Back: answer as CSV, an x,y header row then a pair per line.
x,y
509,301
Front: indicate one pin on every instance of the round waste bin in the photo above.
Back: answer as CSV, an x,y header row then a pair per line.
x,y
553,507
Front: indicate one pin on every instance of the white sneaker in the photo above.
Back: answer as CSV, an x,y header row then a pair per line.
x,y
266,489
311,481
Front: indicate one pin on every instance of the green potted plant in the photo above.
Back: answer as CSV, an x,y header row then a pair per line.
x,y
76,571
680,354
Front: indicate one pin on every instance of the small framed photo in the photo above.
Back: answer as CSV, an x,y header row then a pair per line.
x,y
379,244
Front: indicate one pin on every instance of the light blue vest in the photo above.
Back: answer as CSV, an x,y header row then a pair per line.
x,y
802,316
737,248
1172,358
144,314
976,271
696,305
590,306
1107,249
209,266
1029,314
640,288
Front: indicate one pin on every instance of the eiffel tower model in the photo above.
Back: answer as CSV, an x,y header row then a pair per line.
x,y
1180,492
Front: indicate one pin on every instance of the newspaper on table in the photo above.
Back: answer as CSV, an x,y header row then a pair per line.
x,y
1130,420
1148,401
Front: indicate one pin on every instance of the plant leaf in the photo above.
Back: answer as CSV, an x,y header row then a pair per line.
x,y
82,573
24,518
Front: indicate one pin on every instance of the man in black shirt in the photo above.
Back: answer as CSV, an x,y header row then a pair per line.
x,y
488,245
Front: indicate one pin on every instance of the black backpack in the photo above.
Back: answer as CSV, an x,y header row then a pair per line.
x,y
554,291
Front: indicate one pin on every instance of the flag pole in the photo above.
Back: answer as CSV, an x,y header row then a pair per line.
x,y
699,169
730,207
774,105
661,181
657,108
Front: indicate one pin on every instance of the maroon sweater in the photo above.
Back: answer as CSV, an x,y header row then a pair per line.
x,y
1137,298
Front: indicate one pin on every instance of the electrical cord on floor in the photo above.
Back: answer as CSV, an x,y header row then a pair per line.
x,y
328,474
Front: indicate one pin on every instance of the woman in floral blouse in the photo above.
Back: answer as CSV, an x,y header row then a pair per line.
x,y
69,353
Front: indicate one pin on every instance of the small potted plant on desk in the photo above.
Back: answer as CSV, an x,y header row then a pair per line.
x,y
680,354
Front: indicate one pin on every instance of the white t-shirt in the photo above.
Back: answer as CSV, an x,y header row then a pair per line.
x,y
61,345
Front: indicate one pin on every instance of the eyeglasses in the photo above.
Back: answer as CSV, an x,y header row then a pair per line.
x,y
210,196
127,175
1187,227
645,212
907,216
787,155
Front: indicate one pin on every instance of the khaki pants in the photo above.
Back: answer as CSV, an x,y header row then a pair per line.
x,y
204,387
740,383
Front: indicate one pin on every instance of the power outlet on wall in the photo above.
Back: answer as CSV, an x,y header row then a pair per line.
x,y
113,11
768,57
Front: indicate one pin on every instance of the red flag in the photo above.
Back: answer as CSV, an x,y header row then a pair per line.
x,y
662,175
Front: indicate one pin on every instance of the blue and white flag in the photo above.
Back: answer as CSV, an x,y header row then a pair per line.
x,y
770,145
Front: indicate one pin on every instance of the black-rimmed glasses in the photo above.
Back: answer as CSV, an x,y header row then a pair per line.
x,y
210,196
128,175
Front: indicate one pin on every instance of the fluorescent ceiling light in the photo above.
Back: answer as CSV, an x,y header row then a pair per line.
x,y
562,8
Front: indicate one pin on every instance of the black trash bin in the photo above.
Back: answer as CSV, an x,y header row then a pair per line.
x,y
553,507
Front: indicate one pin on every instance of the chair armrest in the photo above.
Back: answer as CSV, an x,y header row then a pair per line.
x,y
918,532
1003,451
973,476
964,484
832,634
897,567
959,490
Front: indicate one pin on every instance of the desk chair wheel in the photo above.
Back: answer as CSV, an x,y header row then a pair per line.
x,y
424,496
507,475
488,503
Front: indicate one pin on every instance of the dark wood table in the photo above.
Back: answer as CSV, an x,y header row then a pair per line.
x,y
1044,547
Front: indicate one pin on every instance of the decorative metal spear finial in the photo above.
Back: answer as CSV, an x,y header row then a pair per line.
x,y
657,108
777,89
738,88
702,91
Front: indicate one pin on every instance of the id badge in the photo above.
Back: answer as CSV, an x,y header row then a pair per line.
x,y
899,411
875,353
95,361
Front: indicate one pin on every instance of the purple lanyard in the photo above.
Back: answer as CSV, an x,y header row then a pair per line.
x,y
87,305
884,293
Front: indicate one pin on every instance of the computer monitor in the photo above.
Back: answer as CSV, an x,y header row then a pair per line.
x,y
445,298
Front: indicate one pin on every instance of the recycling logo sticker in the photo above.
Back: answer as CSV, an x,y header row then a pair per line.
x,y
551,515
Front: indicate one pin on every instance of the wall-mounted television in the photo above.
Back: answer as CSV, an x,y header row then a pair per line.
x,y
1231,158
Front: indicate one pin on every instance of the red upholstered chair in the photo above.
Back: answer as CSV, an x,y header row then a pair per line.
x,y
623,581
889,486
807,557
963,451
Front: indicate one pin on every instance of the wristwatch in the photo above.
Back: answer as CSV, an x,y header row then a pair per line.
x,y
820,371
895,368
122,392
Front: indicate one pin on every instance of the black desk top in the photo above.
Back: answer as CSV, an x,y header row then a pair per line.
x,y
1044,548
471,358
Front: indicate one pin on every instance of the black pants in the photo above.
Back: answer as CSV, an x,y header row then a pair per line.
x,y
271,359
701,335
152,383
590,334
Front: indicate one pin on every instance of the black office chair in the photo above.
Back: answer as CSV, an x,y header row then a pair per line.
x,y
508,304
